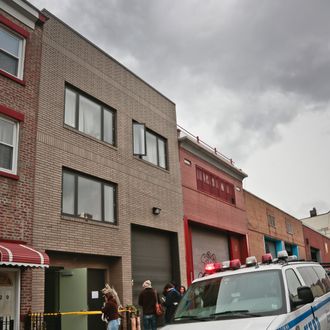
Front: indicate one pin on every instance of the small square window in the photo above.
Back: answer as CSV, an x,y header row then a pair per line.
x,y
271,220
11,53
8,145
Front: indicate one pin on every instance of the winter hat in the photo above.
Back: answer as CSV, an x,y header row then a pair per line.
x,y
147,284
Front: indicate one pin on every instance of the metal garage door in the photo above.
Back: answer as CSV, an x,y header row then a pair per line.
x,y
152,260
208,246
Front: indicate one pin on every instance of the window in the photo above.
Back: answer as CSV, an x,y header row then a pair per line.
x,y
293,285
89,116
215,186
87,197
312,280
271,220
289,228
149,146
8,145
11,53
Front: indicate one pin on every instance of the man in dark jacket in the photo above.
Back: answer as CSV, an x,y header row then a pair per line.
x,y
172,298
147,300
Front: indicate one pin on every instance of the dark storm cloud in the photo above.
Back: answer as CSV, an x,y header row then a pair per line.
x,y
272,57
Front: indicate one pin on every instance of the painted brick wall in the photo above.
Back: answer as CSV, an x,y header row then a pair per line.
x,y
206,209
67,57
317,241
257,210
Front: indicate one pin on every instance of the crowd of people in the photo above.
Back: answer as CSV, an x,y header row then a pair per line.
x,y
148,299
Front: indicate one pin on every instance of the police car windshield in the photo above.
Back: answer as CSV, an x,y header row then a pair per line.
x,y
241,295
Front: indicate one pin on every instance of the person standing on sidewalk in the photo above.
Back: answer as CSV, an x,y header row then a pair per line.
x,y
148,300
172,299
110,311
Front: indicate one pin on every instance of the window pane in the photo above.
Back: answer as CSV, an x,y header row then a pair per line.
x,y
70,108
9,42
89,198
139,139
108,126
6,157
7,132
8,63
151,155
109,204
312,280
293,284
89,117
162,153
68,193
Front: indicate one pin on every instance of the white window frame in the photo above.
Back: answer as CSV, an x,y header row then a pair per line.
x,y
14,146
21,53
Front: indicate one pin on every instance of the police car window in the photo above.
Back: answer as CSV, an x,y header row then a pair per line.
x,y
312,280
321,273
241,295
293,283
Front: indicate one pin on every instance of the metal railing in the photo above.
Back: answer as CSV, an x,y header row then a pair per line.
x,y
6,323
42,321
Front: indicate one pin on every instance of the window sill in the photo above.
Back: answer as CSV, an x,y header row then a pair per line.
x,y
9,175
90,137
17,80
151,164
89,221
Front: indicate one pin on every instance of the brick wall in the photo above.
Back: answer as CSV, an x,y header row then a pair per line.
x,y
257,210
317,241
67,57
202,207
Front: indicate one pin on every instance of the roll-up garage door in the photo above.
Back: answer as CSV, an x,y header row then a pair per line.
x,y
154,258
208,246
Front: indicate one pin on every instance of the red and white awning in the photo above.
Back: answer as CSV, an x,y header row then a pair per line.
x,y
17,254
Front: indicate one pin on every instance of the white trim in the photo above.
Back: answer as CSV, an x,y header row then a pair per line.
x,y
21,11
42,259
10,254
14,145
22,264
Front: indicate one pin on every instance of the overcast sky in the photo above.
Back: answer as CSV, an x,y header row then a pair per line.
x,y
249,77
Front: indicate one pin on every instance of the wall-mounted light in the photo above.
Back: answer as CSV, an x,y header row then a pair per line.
x,y
156,210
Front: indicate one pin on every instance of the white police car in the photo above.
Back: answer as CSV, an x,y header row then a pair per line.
x,y
280,294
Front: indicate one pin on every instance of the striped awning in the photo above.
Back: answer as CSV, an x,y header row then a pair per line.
x,y
18,254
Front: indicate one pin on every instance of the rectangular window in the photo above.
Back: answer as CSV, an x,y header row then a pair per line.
x,y
149,145
89,116
11,52
289,228
87,197
271,220
215,186
8,145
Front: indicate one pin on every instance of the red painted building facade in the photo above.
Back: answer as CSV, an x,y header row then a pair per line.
x,y
317,245
214,211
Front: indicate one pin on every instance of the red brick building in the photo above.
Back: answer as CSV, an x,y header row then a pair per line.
x,y
214,210
317,245
21,28
271,229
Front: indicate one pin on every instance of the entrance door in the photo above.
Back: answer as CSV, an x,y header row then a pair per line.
x,y
7,298
73,298
95,282
154,258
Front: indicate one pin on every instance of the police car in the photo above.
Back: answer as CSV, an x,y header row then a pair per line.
x,y
276,294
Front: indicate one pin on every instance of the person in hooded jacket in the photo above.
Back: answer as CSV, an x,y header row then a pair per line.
x,y
172,299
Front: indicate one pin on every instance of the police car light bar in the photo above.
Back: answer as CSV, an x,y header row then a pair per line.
x,y
235,264
212,268
250,261
282,255
267,258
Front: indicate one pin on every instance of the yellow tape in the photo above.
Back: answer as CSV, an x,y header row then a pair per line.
x,y
67,313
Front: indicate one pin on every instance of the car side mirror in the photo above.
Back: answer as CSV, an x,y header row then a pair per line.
x,y
305,296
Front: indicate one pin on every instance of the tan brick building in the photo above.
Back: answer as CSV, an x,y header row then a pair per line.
x,y
101,213
21,35
271,229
